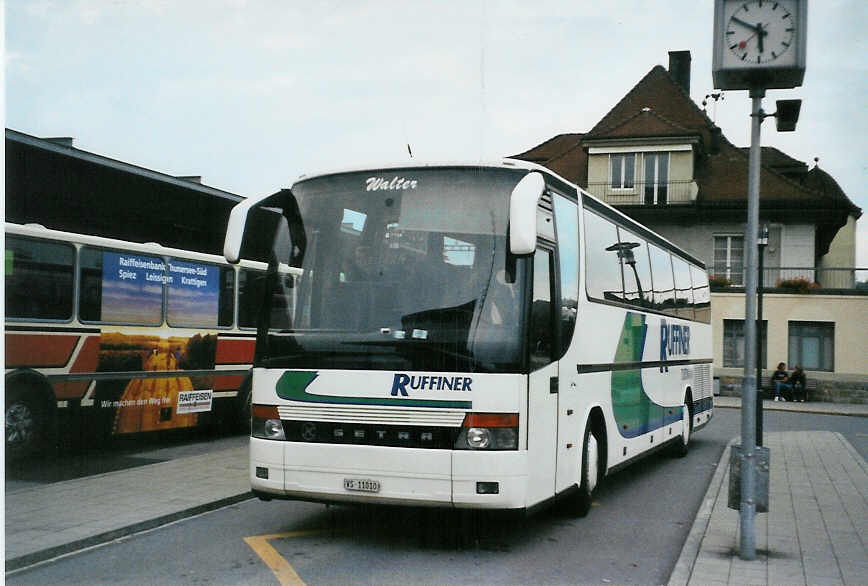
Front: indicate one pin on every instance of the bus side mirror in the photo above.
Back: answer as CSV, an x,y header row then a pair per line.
x,y
238,222
522,213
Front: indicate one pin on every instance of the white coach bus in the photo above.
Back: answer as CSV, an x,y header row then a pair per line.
x,y
472,336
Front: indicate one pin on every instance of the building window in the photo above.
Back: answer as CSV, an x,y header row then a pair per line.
x,y
656,178
623,167
733,343
812,344
729,258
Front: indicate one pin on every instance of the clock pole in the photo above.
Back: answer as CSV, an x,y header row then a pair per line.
x,y
747,507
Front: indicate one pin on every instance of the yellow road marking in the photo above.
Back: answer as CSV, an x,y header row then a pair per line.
x,y
282,569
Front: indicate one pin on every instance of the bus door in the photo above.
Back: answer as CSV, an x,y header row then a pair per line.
x,y
569,414
542,382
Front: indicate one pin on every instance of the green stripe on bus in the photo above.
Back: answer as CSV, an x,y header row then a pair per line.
x,y
635,412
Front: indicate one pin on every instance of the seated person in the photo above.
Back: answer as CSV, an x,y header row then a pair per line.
x,y
797,379
781,381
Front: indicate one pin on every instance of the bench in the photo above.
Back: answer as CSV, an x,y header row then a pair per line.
x,y
767,385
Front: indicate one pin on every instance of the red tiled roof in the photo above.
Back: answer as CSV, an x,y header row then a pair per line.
x,y
562,154
659,92
645,123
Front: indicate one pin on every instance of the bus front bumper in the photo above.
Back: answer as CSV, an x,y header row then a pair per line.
x,y
397,476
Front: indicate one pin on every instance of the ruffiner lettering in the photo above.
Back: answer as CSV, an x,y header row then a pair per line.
x,y
401,382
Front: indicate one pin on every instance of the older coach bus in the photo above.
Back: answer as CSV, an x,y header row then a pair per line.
x,y
476,336
116,337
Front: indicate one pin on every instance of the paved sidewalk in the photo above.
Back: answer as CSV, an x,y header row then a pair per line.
x,y
816,407
816,530
46,521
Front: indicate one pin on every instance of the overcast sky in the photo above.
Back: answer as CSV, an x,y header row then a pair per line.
x,y
251,93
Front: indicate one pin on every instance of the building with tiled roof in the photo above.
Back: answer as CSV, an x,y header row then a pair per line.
x,y
658,157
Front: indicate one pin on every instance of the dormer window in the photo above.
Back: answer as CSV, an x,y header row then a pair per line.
x,y
623,168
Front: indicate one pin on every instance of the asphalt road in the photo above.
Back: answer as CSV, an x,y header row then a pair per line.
x,y
633,534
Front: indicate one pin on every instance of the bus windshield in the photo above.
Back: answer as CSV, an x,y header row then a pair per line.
x,y
400,269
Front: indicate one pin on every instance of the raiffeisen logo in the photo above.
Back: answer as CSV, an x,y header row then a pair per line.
x,y
396,184
402,382
674,341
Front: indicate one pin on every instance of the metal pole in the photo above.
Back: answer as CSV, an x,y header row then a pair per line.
x,y
759,344
747,509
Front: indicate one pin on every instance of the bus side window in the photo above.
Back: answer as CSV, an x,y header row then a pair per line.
x,y
121,287
633,252
226,309
38,279
603,265
683,289
661,275
194,294
90,294
251,286
541,318
701,294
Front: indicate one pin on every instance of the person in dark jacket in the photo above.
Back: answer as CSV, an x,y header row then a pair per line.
x,y
781,380
797,379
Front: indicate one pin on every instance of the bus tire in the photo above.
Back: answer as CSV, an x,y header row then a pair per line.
x,y
683,446
27,420
590,473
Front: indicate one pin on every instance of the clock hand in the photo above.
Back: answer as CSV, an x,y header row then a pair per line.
x,y
743,23
762,33
743,44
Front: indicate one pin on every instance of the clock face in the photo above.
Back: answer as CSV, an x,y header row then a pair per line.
x,y
761,31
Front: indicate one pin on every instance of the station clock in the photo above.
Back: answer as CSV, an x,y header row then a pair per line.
x,y
759,43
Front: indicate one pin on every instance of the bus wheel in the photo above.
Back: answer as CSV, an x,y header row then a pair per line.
x,y
24,426
682,447
590,473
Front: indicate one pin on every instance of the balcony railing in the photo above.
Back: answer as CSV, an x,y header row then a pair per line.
x,y
801,280
646,194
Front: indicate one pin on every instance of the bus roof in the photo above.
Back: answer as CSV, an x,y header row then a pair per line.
x,y
152,248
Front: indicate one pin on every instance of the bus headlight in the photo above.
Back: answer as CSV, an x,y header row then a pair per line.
x,y
478,438
266,423
488,431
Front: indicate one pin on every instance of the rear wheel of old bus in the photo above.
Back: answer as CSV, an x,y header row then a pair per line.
x,y
25,422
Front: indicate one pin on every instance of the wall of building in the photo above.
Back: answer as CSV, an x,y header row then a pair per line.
x,y
842,251
848,313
